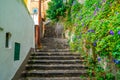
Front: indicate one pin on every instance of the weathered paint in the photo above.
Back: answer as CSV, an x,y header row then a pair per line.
x,y
14,18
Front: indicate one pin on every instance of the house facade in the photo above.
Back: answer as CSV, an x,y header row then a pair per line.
x,y
16,36
33,6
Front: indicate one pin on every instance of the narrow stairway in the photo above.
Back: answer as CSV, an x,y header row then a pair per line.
x,y
54,63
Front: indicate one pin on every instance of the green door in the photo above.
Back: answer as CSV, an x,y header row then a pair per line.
x,y
17,51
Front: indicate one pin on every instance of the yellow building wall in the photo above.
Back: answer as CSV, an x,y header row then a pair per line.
x,y
35,4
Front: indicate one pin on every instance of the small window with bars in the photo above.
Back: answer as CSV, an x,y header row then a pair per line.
x,y
8,40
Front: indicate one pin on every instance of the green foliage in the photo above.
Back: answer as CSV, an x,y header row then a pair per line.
x,y
96,23
73,8
56,10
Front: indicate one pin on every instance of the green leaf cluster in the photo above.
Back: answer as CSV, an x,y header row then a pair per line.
x,y
100,16
96,24
56,10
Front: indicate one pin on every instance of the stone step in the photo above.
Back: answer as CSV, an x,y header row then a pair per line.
x,y
75,61
55,61
48,40
53,50
54,54
58,43
55,78
56,73
55,66
55,57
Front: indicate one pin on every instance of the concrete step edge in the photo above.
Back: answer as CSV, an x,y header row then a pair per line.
x,y
55,78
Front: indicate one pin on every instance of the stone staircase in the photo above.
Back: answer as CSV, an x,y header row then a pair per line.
x,y
54,63
54,43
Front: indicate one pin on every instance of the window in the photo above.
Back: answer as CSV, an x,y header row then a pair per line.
x,y
17,51
8,40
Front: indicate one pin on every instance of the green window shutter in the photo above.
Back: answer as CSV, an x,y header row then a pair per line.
x,y
17,51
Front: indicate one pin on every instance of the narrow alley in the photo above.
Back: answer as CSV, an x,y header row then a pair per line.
x,y
59,39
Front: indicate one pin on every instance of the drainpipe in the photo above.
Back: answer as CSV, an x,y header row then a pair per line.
x,y
40,24
43,9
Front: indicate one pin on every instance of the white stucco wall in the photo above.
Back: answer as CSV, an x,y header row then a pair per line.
x,y
15,19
